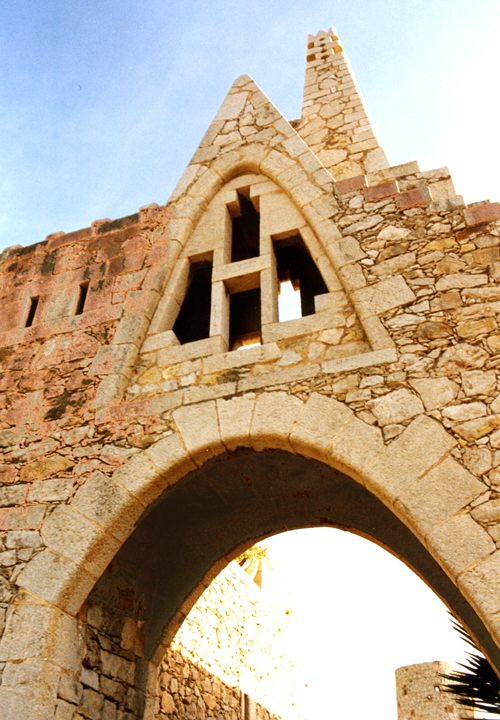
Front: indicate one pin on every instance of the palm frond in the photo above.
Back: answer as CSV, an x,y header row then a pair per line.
x,y
477,686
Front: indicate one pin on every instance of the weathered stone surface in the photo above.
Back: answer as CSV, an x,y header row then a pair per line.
x,y
435,392
483,582
475,429
475,382
488,513
477,460
199,427
465,411
460,543
472,328
98,425
440,493
395,407
461,357
45,468
411,455
69,689
320,420
78,539
273,419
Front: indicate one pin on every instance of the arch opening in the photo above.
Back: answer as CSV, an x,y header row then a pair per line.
x,y
198,525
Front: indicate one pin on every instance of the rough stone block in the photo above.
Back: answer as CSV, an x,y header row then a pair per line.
x,y
435,392
12,495
419,197
345,251
52,490
69,689
396,407
22,518
374,193
479,214
385,295
118,667
20,539
43,469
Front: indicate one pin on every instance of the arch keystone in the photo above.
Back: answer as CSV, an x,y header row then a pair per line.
x,y
274,417
235,417
198,426
320,421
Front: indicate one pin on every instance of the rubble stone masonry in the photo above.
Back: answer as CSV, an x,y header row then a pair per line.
x,y
142,451
234,657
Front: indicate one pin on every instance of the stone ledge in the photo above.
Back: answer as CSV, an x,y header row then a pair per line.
x,y
377,357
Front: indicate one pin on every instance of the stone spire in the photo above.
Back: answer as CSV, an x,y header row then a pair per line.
x,y
335,123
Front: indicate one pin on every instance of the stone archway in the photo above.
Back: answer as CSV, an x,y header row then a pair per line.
x,y
232,472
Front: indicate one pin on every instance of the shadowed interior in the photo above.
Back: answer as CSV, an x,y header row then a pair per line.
x,y
243,496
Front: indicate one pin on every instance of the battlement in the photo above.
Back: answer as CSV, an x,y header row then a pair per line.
x,y
75,280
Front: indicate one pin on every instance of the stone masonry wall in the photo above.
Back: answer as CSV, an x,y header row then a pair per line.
x,y
420,693
233,657
393,381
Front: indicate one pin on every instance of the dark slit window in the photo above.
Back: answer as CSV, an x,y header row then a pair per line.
x,y
82,297
244,318
296,265
32,311
245,232
193,320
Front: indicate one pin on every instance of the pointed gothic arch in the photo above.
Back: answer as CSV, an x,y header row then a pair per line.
x,y
311,463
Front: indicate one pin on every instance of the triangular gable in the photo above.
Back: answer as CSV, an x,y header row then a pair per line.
x,y
251,149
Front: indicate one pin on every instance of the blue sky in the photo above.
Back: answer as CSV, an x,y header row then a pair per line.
x,y
105,102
